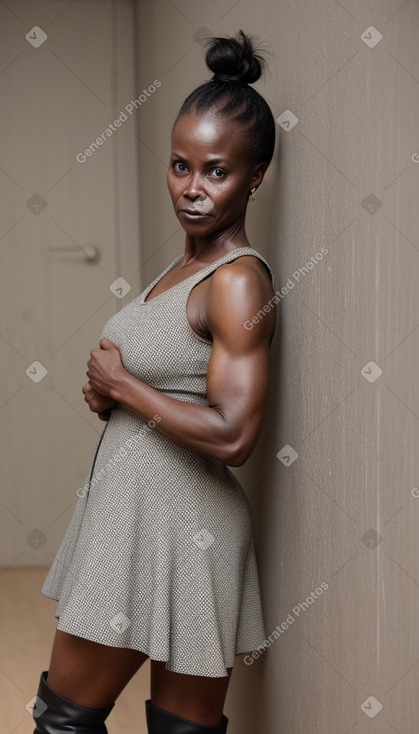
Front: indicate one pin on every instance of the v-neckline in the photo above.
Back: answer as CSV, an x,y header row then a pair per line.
x,y
170,267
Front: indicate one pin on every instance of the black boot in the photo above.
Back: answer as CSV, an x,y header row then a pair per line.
x,y
162,722
62,716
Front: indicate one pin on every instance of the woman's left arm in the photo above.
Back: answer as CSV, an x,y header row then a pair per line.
x,y
237,378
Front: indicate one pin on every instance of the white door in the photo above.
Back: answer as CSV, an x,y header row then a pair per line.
x,y
68,230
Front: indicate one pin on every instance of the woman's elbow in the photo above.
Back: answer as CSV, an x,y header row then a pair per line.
x,y
237,443
237,460
237,453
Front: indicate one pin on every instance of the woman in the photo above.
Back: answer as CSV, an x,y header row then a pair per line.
x,y
158,560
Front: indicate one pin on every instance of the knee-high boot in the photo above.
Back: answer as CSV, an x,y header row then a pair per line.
x,y
54,714
160,721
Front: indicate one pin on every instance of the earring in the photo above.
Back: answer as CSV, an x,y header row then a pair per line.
x,y
252,198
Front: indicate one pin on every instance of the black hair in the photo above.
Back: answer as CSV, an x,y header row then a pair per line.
x,y
236,64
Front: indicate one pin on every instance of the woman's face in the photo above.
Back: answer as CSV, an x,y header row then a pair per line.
x,y
208,176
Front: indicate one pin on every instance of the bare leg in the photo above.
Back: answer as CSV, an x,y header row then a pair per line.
x,y
90,674
197,698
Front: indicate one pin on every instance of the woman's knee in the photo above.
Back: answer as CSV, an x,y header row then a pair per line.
x,y
197,698
89,673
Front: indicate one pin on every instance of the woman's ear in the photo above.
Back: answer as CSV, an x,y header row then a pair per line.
x,y
257,174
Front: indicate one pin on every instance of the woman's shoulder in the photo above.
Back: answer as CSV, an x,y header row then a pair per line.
x,y
242,288
250,266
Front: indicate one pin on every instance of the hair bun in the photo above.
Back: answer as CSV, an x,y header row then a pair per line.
x,y
234,59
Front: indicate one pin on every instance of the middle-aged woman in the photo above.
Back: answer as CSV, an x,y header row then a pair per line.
x,y
158,560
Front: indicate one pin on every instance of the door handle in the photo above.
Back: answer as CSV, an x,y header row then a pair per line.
x,y
91,253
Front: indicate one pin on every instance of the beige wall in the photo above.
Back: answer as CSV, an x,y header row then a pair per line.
x,y
356,439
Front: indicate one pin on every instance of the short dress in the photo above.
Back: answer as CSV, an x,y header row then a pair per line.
x,y
159,553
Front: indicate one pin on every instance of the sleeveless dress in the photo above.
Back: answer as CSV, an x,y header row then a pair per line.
x,y
159,553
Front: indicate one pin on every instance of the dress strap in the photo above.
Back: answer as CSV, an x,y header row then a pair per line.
x,y
151,285
188,283
228,257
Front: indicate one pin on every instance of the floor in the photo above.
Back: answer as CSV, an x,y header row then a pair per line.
x,y
27,626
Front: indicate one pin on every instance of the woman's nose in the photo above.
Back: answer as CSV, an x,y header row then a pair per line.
x,y
194,187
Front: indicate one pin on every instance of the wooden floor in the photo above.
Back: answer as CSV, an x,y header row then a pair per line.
x,y
27,626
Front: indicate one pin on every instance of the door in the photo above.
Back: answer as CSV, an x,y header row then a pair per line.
x,y
69,247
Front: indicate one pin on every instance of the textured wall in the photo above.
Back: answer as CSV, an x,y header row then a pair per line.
x,y
333,480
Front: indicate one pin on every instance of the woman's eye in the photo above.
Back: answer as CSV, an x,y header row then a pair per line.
x,y
181,167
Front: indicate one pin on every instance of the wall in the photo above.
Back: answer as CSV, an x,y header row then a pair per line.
x,y
333,480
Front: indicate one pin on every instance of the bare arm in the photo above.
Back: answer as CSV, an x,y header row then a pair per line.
x,y
237,379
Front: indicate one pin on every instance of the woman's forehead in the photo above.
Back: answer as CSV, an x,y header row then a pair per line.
x,y
208,130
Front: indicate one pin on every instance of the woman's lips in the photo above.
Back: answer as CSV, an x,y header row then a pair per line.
x,y
191,214
199,206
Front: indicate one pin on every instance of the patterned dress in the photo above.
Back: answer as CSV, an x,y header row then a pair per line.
x,y
159,553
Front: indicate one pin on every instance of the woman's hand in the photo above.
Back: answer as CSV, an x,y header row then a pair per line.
x,y
105,368
99,404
